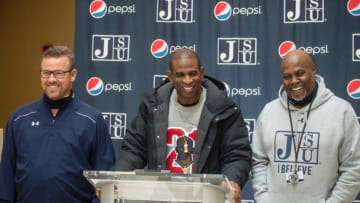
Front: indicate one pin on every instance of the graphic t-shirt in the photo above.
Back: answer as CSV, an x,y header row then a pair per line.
x,y
181,134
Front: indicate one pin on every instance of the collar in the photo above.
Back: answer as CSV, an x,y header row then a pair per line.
x,y
59,104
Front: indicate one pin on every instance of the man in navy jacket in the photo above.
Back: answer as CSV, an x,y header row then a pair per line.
x,y
50,142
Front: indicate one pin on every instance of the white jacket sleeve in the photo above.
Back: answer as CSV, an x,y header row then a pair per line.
x,y
260,163
348,183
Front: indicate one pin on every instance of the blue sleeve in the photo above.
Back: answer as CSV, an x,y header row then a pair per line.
x,y
8,167
95,200
104,156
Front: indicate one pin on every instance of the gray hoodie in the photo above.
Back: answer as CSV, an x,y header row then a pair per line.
x,y
329,154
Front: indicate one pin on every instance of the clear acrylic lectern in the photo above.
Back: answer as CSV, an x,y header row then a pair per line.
x,y
158,186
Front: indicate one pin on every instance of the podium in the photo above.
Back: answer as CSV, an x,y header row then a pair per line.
x,y
116,186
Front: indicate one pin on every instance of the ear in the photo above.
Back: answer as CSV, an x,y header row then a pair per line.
x,y
202,72
169,74
73,75
313,69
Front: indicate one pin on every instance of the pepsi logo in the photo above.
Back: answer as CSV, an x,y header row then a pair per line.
x,y
353,6
245,92
227,89
94,86
286,47
159,48
353,89
98,9
222,11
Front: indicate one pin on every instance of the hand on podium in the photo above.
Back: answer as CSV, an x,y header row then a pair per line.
x,y
235,191
98,194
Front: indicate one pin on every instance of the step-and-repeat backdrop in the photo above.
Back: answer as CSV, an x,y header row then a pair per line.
x,y
122,49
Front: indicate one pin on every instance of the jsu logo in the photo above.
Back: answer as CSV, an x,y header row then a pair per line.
x,y
356,47
116,123
250,124
304,11
110,48
353,6
174,11
94,86
308,151
237,51
158,80
353,89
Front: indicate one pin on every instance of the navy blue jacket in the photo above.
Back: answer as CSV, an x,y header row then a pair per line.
x,y
44,156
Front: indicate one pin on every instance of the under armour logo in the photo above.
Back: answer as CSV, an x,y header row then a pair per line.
x,y
301,120
37,123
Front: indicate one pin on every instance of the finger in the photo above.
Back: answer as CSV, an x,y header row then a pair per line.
x,y
237,192
98,194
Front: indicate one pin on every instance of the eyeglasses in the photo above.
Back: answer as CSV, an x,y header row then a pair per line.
x,y
58,74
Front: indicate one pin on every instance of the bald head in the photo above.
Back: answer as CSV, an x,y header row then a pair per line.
x,y
297,57
183,54
298,74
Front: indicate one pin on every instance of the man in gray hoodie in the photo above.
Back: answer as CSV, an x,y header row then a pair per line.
x,y
306,142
